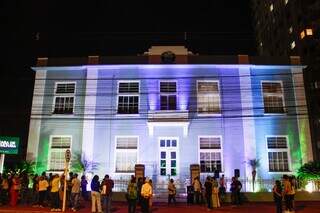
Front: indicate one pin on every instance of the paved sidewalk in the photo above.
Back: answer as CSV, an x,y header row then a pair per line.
x,y
303,207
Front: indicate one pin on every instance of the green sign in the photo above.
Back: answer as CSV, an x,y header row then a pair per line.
x,y
9,145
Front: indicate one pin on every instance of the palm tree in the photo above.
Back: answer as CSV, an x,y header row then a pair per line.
x,y
81,164
254,163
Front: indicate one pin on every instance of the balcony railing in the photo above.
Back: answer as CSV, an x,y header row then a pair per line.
x,y
168,116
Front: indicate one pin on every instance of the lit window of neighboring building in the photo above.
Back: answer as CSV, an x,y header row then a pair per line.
x,y
302,34
278,154
58,147
309,32
210,152
271,7
128,97
293,45
168,95
273,97
208,97
64,98
126,153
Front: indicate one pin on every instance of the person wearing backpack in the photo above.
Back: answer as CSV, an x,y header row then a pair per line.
x,y
132,195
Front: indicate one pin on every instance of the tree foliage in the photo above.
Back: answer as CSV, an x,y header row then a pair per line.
x,y
310,171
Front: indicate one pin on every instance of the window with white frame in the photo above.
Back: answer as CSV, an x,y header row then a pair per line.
x,y
128,98
64,98
278,154
168,95
210,154
57,149
126,153
208,97
273,97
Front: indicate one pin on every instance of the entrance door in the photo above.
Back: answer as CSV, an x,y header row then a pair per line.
x,y
168,156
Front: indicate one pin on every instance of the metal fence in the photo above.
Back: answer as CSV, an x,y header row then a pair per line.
x,y
259,185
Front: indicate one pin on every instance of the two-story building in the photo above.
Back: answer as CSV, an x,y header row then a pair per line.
x,y
168,111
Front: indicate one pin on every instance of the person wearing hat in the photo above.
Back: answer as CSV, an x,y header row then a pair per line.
x,y
146,193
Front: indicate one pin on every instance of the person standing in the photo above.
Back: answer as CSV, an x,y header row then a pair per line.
x,y
75,192
14,190
222,189
132,195
215,193
277,196
24,192
287,187
139,186
208,188
197,189
238,187
107,187
84,192
171,192
55,200
151,197
4,190
95,194
43,186
146,193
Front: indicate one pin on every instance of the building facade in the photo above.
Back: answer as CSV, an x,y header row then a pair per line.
x,y
292,27
169,116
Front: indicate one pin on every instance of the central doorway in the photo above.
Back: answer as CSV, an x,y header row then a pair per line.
x,y
168,156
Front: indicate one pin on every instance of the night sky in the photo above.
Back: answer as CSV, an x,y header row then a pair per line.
x,y
73,28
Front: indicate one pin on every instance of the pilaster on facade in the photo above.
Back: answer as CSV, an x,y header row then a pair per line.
x,y
89,114
249,137
36,115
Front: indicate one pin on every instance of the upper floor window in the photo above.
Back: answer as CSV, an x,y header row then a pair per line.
x,y
273,97
208,98
128,97
168,95
57,149
64,98
126,153
278,154
210,154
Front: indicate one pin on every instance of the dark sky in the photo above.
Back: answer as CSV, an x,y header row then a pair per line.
x,y
55,28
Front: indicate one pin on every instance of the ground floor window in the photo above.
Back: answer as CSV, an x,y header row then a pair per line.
x,y
58,147
126,153
278,154
210,154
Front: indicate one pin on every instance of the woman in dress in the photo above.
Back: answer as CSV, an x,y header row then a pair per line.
x,y
215,193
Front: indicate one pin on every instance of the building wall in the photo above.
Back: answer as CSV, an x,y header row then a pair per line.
x,y
243,135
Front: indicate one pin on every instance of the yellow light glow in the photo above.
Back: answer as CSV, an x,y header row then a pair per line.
x,y
302,34
309,32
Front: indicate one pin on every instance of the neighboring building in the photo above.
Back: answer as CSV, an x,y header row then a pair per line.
x,y
218,112
292,27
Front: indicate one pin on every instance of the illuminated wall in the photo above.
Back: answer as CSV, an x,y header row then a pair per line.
x,y
231,125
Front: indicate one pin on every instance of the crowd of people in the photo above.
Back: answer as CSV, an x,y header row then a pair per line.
x,y
45,191
284,191
214,191
48,191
